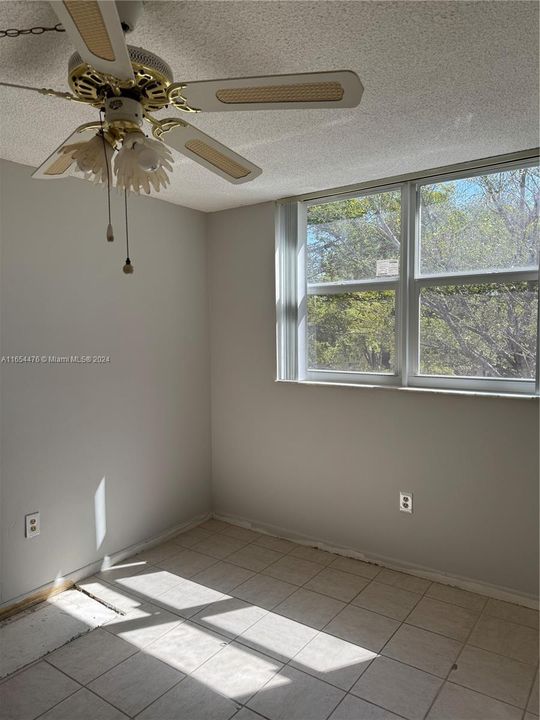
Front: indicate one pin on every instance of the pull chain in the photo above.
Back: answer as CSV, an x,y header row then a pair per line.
x,y
13,32
128,267
110,233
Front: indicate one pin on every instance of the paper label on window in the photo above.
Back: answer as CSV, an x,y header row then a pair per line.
x,y
386,268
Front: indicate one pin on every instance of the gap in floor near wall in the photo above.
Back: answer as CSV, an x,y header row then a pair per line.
x,y
223,622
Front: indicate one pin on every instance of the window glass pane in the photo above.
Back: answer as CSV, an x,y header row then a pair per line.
x,y
352,331
354,239
486,330
489,222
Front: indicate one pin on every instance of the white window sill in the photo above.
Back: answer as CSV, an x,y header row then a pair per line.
x,y
434,391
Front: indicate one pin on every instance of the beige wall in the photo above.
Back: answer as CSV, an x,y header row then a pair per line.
x,y
329,462
142,421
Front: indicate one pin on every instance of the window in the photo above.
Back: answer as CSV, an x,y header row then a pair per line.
x,y
426,282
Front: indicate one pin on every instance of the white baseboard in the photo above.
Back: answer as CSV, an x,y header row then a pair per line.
x,y
108,560
475,586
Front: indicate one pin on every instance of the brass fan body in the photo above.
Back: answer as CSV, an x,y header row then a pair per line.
x,y
152,85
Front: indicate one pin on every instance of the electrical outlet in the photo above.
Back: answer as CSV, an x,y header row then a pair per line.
x,y
31,525
405,501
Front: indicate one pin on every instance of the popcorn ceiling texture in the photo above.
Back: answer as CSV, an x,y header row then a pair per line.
x,y
444,82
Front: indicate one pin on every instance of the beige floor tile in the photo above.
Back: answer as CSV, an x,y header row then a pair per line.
x,y
293,570
83,705
467,600
229,617
186,646
91,655
337,584
398,688
191,537
135,683
362,627
264,591
190,700
353,708
450,620
220,546
532,707
391,601
34,691
254,557
150,584
214,525
403,580
310,608
274,543
313,554
157,553
530,716
423,650
187,563
459,703
237,672
506,638
512,613
356,567
241,533
143,624
128,568
495,675
223,576
277,636
296,696
333,660
187,598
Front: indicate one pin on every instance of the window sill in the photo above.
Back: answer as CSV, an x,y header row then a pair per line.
x,y
430,391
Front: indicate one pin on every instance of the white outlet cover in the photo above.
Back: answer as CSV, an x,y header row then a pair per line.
x,y
31,525
406,502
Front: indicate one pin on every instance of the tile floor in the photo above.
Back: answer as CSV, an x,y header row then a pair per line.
x,y
222,622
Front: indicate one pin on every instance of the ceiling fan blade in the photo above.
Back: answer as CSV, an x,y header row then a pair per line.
x,y
95,30
209,153
57,165
338,89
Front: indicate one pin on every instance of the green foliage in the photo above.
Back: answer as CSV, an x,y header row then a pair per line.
x,y
346,238
353,331
476,224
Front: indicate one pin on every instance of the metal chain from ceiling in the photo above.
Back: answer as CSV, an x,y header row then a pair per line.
x,y
13,32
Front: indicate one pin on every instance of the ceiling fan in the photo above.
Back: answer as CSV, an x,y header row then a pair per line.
x,y
128,84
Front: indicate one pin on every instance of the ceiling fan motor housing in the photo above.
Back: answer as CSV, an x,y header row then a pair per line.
x,y
123,112
152,78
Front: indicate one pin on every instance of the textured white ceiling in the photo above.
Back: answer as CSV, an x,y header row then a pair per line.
x,y
444,82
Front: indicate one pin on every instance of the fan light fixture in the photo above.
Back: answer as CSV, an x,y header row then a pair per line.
x,y
92,158
142,164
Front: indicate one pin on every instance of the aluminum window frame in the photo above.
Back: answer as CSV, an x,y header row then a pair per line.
x,y
340,287
292,287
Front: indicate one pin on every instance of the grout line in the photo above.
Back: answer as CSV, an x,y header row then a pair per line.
x,y
64,698
529,696
446,679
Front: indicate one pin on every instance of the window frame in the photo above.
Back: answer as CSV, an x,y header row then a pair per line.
x,y
292,287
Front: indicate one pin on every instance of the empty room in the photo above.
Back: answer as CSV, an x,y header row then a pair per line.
x,y
269,365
